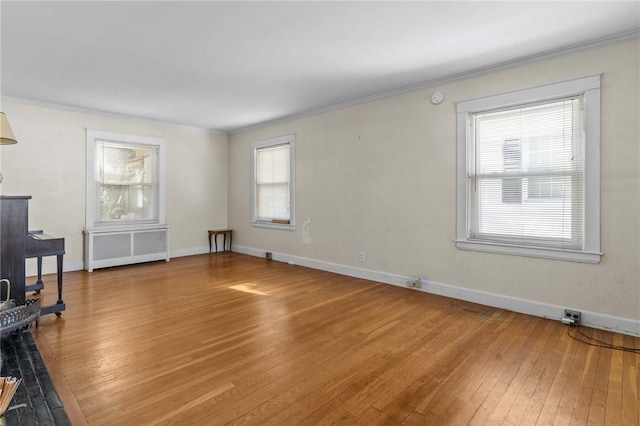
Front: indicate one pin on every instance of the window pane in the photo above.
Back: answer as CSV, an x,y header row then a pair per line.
x,y
272,186
526,175
272,164
522,222
126,182
273,201
512,157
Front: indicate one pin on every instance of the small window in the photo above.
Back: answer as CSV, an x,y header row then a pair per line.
x,y
528,172
273,182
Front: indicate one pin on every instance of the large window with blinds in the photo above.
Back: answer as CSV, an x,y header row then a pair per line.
x,y
528,172
273,182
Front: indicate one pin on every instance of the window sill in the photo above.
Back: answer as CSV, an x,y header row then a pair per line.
x,y
271,225
125,227
516,250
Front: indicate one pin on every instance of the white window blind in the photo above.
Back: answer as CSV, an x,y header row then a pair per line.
x,y
525,178
528,171
273,182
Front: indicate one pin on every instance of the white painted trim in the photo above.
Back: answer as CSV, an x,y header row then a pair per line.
x,y
540,252
50,267
92,138
592,170
616,38
90,242
530,307
194,251
290,140
69,266
269,225
104,113
533,94
587,86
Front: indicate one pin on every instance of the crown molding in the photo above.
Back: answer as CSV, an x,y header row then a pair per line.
x,y
104,113
620,37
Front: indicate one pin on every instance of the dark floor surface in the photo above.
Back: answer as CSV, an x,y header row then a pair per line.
x,y
22,359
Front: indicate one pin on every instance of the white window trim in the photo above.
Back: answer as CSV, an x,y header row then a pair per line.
x,y
589,87
289,139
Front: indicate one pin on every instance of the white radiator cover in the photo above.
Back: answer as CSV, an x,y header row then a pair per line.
x,y
114,246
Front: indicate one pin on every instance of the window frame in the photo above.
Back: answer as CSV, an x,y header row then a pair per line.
x,y
96,137
586,86
290,140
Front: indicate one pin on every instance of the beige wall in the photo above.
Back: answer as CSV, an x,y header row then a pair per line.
x,y
379,177
48,163
376,177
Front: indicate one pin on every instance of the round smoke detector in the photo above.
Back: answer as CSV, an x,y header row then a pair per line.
x,y
437,98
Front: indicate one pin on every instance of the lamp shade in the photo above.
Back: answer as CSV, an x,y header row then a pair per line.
x,y
7,137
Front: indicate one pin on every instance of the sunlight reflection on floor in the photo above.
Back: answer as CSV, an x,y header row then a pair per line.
x,y
248,288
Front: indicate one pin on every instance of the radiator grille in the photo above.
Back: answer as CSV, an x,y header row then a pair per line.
x,y
149,242
111,246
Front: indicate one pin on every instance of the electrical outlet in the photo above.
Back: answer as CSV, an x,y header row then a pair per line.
x,y
417,283
572,317
361,256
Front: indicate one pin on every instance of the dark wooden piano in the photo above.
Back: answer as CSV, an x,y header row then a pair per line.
x,y
17,244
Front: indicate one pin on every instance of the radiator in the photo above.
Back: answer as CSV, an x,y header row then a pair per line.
x,y
113,247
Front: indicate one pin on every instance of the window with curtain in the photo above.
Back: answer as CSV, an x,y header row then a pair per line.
x,y
125,179
127,182
273,171
528,174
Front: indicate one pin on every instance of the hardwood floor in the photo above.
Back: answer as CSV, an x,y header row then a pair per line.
x,y
231,339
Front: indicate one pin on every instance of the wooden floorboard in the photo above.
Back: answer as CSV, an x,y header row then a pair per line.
x,y
229,339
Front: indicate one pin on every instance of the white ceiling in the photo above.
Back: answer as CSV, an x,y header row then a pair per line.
x,y
230,65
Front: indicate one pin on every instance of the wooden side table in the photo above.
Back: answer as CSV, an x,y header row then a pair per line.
x,y
224,233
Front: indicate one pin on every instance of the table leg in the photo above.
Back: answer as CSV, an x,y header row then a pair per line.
x,y
209,242
39,260
60,278
60,302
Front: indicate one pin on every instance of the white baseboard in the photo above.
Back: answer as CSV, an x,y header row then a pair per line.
x,y
31,267
189,252
530,307
52,268
589,319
